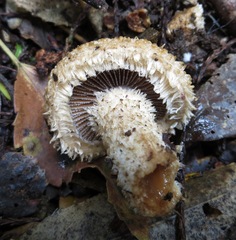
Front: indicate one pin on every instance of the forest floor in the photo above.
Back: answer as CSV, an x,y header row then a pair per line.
x,y
45,195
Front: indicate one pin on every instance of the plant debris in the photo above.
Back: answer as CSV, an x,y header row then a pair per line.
x,y
36,180
216,113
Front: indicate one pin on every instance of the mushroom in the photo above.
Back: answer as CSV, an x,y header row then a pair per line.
x,y
119,98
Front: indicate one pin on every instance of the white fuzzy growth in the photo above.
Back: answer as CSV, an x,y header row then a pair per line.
x,y
126,121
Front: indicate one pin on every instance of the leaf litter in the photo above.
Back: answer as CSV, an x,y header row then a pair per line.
x,y
31,134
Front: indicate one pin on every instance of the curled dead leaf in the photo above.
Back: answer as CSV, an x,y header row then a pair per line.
x,y
138,20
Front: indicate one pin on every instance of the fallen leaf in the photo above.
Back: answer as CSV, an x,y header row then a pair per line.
x,y
34,31
87,220
138,225
30,129
215,117
16,232
94,216
57,12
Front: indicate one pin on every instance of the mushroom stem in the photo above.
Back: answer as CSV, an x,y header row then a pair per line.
x,y
145,168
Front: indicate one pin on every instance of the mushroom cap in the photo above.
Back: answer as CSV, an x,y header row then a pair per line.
x,y
104,64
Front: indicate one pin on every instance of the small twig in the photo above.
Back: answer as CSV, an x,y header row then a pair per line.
x,y
6,113
72,34
17,222
165,18
116,18
217,24
180,233
99,4
76,36
8,68
5,122
79,38
213,56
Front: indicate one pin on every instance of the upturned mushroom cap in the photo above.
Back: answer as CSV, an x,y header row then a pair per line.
x,y
118,97
99,65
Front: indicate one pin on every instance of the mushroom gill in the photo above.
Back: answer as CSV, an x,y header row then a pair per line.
x,y
118,97
84,97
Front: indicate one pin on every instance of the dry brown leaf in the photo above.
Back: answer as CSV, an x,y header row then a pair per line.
x,y
138,225
28,102
31,131
215,117
61,13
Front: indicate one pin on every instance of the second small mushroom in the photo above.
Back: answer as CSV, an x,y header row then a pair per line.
x,y
119,98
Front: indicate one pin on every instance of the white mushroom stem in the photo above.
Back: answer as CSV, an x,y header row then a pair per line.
x,y
125,119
